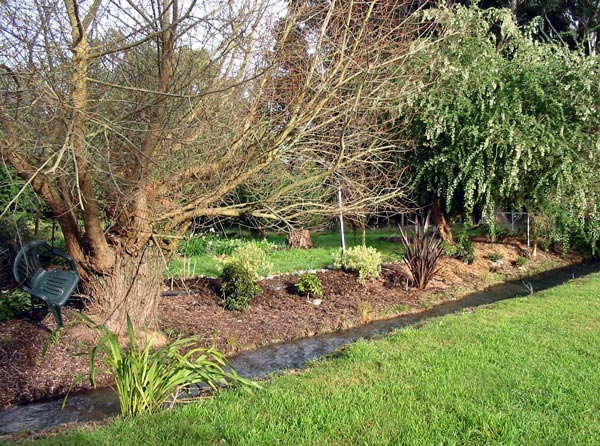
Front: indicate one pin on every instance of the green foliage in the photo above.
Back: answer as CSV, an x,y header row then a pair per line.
x,y
309,284
364,260
147,379
423,252
504,118
494,231
252,257
209,242
215,243
465,250
13,303
520,262
494,256
289,260
453,381
238,287
53,340
450,249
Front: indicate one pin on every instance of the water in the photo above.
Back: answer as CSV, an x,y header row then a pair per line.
x,y
103,403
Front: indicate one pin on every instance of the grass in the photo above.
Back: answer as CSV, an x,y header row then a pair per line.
x,y
523,372
289,260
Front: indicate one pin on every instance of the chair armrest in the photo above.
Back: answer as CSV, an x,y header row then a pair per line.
x,y
65,256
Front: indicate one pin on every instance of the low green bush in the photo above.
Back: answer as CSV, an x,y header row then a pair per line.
x,y
520,262
494,256
496,232
364,260
464,248
253,257
13,303
209,243
309,284
238,287
216,244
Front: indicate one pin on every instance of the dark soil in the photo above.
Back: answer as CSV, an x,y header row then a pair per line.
x,y
34,364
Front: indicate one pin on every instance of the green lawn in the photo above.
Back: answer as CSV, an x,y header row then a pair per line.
x,y
288,260
523,372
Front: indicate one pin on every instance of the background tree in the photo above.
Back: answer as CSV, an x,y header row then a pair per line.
x,y
131,118
575,22
503,119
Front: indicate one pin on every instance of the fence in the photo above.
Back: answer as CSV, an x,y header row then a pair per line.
x,y
513,222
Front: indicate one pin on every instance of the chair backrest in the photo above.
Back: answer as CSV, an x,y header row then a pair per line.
x,y
27,262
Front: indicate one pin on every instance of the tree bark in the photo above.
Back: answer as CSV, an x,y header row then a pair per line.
x,y
299,238
444,229
131,288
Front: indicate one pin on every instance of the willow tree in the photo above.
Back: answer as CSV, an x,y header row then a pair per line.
x,y
132,118
503,119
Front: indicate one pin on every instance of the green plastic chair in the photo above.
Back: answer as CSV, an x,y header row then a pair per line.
x,y
54,286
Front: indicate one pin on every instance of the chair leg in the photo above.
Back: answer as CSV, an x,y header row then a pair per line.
x,y
55,309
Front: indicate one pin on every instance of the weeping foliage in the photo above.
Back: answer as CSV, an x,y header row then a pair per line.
x,y
504,119
146,379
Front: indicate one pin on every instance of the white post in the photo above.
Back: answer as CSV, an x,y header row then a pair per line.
x,y
341,221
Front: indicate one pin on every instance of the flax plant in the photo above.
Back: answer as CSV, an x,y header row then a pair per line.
x,y
423,252
146,380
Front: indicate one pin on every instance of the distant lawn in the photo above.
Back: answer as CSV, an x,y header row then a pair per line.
x,y
525,372
288,260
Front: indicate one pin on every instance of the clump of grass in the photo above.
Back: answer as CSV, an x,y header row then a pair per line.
x,y
146,379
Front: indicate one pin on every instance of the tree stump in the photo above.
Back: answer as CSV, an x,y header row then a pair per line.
x,y
299,238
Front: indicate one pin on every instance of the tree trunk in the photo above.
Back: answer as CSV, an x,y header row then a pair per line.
x,y
131,288
444,229
299,238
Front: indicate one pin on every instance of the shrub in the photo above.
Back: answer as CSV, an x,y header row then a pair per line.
x,y
213,243
13,303
464,248
145,380
422,254
238,287
496,232
309,284
521,261
450,249
495,256
252,256
208,243
366,261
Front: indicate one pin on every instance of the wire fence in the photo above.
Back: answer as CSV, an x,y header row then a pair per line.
x,y
512,222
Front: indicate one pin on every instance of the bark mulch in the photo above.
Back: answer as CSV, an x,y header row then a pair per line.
x,y
34,364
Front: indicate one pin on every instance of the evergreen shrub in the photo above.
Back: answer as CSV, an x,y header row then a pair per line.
x,y
364,260
238,287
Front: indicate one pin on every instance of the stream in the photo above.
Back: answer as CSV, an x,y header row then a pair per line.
x,y
99,404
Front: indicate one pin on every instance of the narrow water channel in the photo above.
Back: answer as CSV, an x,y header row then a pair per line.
x,y
100,404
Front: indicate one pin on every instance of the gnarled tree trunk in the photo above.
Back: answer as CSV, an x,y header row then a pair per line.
x,y
131,288
299,238
444,229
